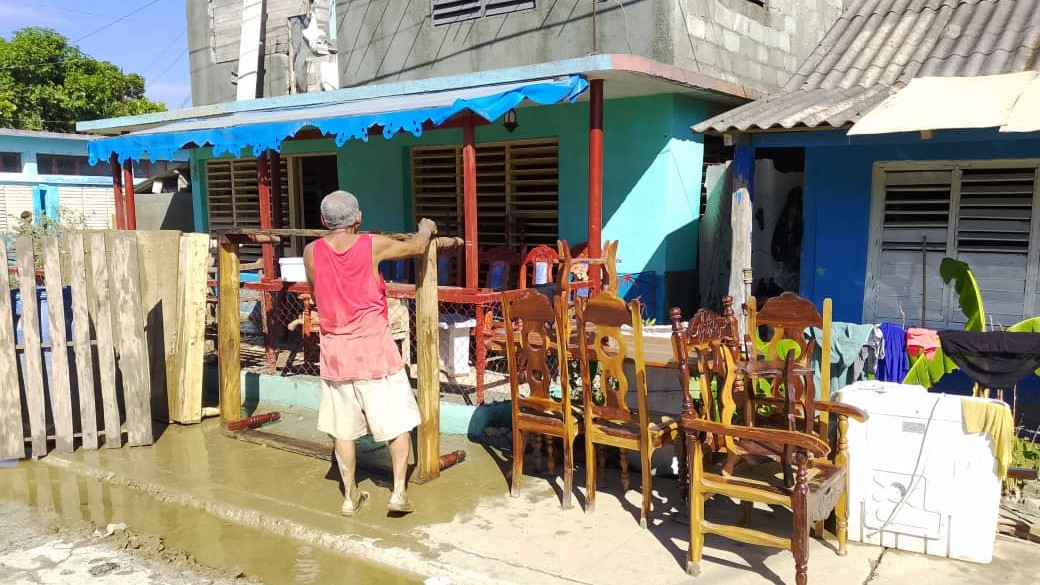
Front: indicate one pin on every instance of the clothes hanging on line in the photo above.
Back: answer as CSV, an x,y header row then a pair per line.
x,y
920,340
994,359
893,366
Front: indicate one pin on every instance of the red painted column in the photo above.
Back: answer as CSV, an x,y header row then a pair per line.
x,y
595,175
117,190
469,200
128,195
263,188
277,221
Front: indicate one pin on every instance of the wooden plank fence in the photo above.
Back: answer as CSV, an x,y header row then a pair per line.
x,y
88,388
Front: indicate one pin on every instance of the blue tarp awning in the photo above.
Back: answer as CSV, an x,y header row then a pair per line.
x,y
266,129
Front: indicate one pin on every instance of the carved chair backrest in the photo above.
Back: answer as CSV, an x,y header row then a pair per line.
x,y
534,348
571,257
500,262
602,316
715,361
786,319
705,327
541,261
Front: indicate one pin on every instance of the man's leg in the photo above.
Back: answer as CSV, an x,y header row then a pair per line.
x,y
399,448
346,457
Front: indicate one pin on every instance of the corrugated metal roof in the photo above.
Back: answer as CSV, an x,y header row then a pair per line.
x,y
877,46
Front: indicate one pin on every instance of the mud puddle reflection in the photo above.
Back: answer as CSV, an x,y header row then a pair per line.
x,y
213,542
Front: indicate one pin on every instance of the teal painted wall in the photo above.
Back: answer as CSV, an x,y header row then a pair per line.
x,y
652,167
29,146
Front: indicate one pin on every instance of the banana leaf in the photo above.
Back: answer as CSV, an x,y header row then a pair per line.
x,y
926,372
969,297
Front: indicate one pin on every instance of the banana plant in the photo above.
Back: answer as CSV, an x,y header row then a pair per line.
x,y
927,372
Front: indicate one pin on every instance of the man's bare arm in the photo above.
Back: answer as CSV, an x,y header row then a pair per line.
x,y
308,267
385,248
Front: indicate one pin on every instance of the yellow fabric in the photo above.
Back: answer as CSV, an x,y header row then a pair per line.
x,y
994,418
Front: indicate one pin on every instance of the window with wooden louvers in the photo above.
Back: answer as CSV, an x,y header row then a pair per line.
x,y
234,200
978,212
517,191
449,11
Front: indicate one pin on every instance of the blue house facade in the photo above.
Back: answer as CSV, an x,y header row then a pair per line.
x,y
880,211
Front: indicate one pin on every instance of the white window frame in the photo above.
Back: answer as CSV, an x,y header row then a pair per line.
x,y
877,217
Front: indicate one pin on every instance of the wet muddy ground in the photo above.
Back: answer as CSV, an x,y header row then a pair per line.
x,y
195,547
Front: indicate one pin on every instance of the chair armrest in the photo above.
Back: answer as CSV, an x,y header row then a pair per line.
x,y
814,445
841,410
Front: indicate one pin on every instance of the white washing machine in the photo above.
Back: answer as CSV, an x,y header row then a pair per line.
x,y
917,482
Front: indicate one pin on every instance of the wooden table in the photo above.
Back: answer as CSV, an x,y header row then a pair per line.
x,y
657,350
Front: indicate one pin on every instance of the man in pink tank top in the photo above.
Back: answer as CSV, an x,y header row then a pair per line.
x,y
364,387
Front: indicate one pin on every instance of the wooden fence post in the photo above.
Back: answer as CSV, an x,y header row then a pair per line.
x,y
228,331
428,366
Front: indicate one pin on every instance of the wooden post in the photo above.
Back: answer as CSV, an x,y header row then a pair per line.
x,y
101,315
58,384
117,190
740,220
128,200
428,366
263,188
469,201
595,176
228,342
12,433
81,340
277,220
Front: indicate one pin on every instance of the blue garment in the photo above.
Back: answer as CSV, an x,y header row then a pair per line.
x,y
894,366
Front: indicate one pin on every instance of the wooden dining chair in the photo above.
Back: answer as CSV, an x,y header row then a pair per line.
x,y
819,484
532,350
501,262
571,285
608,419
538,267
786,319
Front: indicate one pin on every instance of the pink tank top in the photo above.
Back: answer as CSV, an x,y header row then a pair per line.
x,y
356,343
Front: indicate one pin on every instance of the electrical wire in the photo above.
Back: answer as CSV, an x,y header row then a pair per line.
x,y
114,22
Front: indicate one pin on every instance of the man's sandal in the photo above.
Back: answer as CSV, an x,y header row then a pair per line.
x,y
354,503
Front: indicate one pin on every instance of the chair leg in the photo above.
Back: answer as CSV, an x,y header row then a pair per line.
x,y
550,452
590,475
601,461
648,488
626,480
744,517
568,471
518,461
818,528
684,477
841,522
696,509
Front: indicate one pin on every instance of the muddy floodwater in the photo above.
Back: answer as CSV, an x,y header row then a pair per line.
x,y
228,548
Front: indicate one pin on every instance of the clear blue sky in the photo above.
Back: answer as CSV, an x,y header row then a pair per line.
x,y
152,42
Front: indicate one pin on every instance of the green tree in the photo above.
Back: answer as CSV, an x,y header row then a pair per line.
x,y
48,84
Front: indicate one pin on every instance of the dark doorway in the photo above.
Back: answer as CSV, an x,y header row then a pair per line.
x,y
318,177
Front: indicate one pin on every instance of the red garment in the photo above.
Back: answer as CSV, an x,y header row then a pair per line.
x,y
356,343
921,340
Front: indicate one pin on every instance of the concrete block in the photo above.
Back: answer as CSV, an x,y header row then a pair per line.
x,y
697,27
755,31
706,54
790,24
783,42
731,41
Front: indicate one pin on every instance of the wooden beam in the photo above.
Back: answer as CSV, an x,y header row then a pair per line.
x,y
11,430
595,176
469,202
229,358
428,366
129,201
101,315
263,188
58,383
117,190
742,205
134,365
81,340
186,370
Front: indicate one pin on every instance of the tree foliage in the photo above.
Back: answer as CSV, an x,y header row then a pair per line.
x,y
48,84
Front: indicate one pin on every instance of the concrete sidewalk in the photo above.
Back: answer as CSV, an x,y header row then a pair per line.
x,y
467,528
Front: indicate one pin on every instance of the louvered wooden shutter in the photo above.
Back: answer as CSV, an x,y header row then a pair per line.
x,y
993,235
913,243
517,191
991,228
234,201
